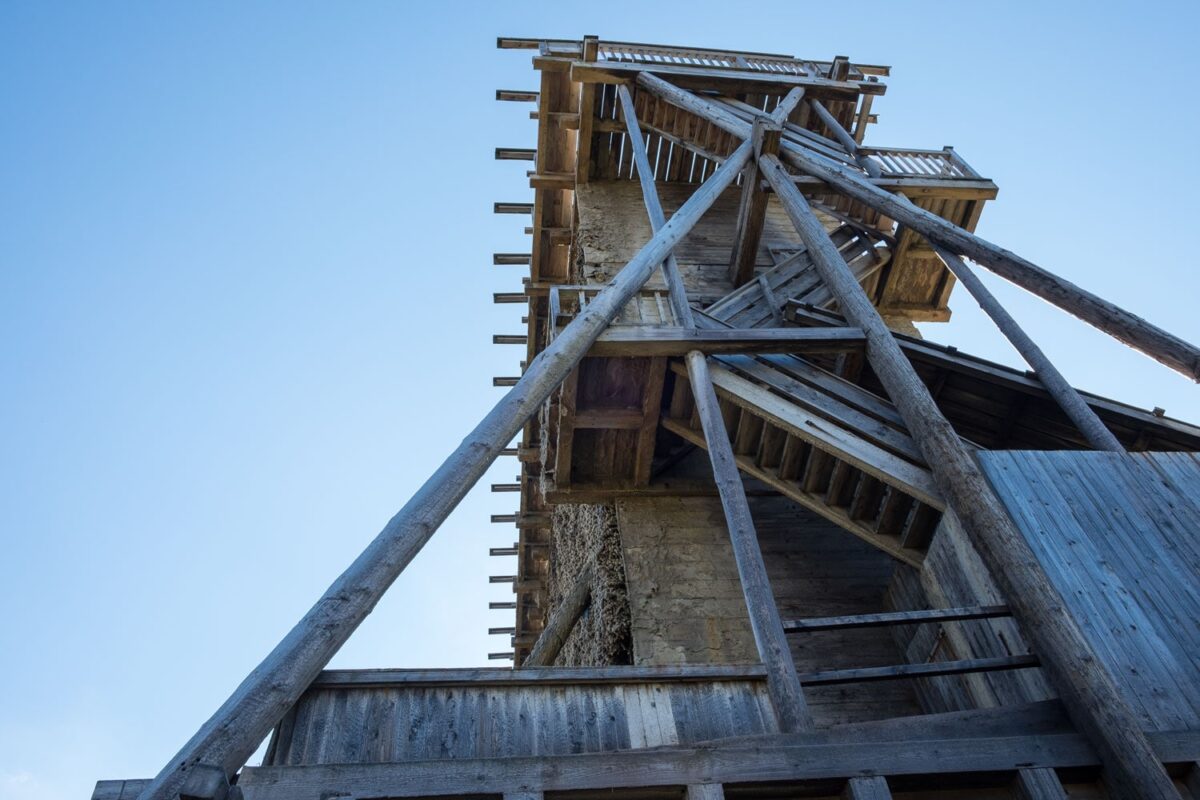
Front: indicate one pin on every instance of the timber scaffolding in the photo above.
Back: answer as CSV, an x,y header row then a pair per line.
x,y
852,562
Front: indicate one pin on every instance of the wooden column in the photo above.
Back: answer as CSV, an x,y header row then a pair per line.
x,y
1038,784
230,737
783,683
562,621
752,211
1129,328
782,680
1092,699
1069,400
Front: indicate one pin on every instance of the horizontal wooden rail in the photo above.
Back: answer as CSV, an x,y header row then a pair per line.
x,y
894,618
658,341
930,670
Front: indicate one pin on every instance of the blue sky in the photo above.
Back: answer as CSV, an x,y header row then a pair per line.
x,y
245,310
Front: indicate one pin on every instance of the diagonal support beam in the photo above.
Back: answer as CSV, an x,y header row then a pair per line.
x,y
232,734
1165,347
1068,399
1092,698
752,208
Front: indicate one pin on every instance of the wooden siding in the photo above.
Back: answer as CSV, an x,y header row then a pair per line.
x,y
1119,536
374,716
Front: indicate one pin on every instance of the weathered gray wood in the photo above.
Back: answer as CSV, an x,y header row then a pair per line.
x,y
243,721
1038,784
1129,328
562,621
894,618
1091,695
844,137
676,290
547,676
874,788
769,638
751,214
1063,393
925,670
705,791
687,765
657,341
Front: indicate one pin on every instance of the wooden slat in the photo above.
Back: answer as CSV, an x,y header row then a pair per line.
x,y
894,618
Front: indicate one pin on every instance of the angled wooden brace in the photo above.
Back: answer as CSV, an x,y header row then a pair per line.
x,y
231,735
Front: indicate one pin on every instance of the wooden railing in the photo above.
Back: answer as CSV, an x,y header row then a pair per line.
x,y
648,307
908,162
631,52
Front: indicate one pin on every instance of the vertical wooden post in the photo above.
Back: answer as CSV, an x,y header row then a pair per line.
x,y
783,683
1092,699
769,637
231,735
751,215
873,788
1069,400
1038,784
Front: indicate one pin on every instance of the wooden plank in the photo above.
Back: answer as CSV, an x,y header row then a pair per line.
x,y
689,765
894,618
874,788
638,341
743,80
928,670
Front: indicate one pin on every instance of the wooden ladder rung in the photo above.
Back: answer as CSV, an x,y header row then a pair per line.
x,y
895,618
929,670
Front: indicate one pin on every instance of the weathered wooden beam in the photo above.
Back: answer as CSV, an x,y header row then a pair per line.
x,y
932,669
676,290
1092,697
873,788
782,681
1038,784
675,766
1129,328
655,341
752,207
844,138
894,618
562,621
1069,400
232,734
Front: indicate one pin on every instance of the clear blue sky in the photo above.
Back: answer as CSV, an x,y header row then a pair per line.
x,y
245,301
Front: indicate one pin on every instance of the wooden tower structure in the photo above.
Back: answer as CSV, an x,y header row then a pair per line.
x,y
770,542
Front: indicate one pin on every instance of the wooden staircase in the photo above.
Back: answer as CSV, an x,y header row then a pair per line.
x,y
823,442
760,302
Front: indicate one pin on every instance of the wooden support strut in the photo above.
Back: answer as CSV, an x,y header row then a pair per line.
x,y
1093,700
1122,325
1068,399
237,728
843,136
562,621
783,683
